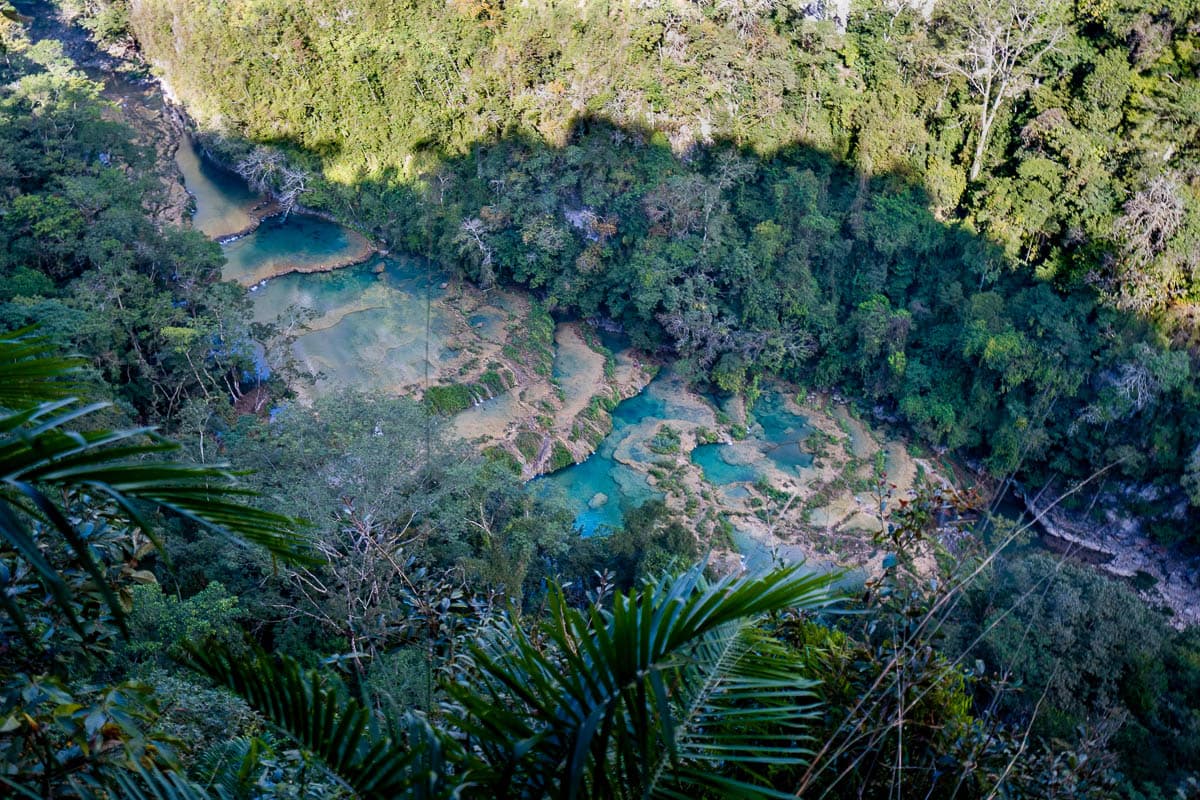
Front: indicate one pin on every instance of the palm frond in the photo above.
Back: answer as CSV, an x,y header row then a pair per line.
x,y
113,464
317,713
742,703
41,463
232,767
31,372
147,783
648,698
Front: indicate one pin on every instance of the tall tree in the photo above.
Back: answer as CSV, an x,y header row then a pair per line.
x,y
997,46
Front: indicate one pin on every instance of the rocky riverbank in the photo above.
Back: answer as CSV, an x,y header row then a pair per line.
x,y
136,102
1164,578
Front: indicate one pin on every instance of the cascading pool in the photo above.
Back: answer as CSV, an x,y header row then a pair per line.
x,y
714,460
366,323
297,243
777,435
603,486
223,200
370,326
782,433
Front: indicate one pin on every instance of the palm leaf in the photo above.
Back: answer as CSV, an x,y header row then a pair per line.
x,y
147,783
652,698
41,462
316,712
741,704
232,767
31,372
113,463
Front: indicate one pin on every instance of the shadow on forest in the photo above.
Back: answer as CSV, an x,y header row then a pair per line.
x,y
800,266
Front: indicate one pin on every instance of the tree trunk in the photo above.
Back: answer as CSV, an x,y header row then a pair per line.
x,y
981,146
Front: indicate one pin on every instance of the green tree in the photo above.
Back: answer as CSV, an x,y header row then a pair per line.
x,y
998,48
76,505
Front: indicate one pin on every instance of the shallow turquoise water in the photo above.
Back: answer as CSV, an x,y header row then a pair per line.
x,y
778,432
489,322
625,488
783,431
755,555
368,326
657,402
711,458
323,293
279,244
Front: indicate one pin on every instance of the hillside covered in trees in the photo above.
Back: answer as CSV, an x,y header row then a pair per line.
x,y
981,215
977,220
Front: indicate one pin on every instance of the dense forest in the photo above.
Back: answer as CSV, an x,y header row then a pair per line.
x,y
1002,261
983,217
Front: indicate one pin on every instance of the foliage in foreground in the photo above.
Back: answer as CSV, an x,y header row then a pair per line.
x,y
671,689
79,512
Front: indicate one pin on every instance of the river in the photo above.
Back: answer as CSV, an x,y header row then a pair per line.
x,y
370,321
367,327
796,482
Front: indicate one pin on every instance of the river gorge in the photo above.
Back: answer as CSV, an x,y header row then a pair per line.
x,y
798,476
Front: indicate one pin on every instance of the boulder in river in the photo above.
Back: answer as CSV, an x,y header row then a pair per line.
x,y
598,499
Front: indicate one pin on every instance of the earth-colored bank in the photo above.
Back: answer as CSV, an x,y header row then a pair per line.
x,y
1162,578
554,411
804,481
